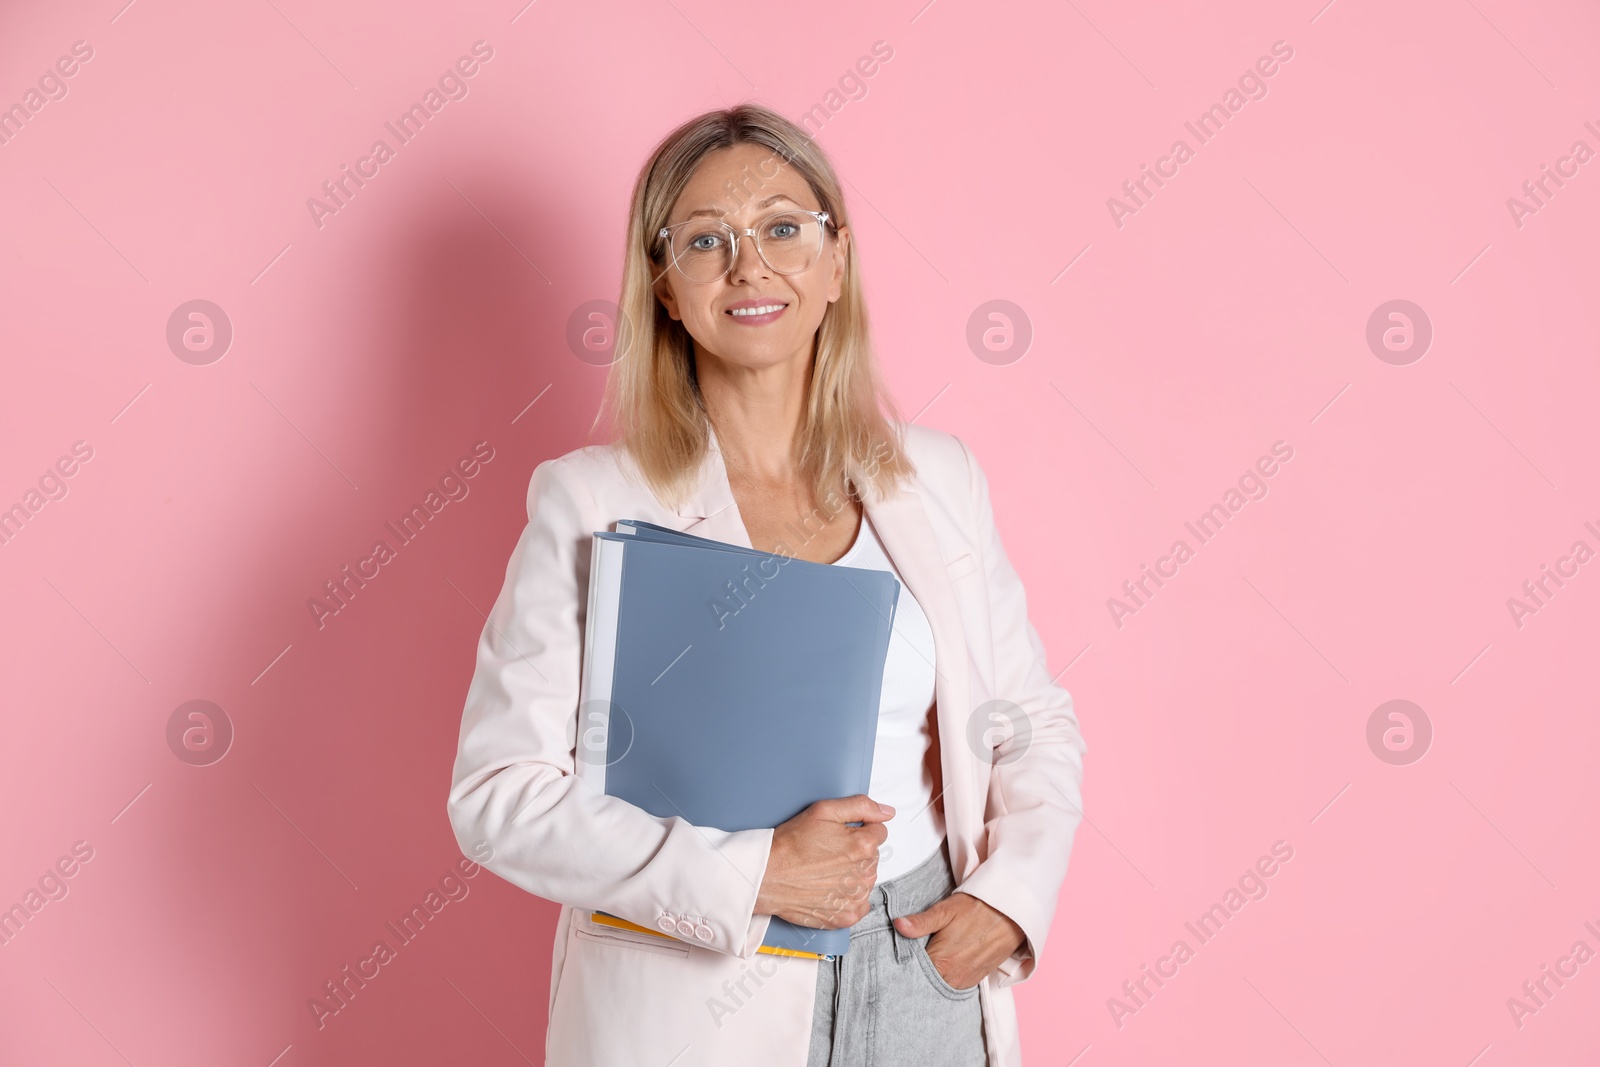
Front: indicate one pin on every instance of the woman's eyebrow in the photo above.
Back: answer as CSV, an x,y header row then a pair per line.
x,y
768,202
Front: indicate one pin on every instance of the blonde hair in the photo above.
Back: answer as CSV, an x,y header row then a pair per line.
x,y
652,396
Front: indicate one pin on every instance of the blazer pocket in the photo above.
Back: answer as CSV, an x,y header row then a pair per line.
x,y
585,928
961,566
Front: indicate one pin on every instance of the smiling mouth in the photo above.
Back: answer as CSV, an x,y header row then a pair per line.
x,y
748,313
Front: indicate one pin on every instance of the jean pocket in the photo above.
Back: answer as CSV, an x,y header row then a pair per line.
x,y
919,948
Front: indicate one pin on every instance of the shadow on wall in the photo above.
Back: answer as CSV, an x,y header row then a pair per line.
x,y
353,736
481,333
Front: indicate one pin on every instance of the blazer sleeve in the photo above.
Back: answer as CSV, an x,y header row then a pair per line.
x,y
1034,801
515,796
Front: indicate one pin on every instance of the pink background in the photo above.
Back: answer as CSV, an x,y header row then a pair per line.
x,y
1229,312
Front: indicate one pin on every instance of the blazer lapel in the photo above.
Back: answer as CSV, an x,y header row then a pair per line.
x,y
903,526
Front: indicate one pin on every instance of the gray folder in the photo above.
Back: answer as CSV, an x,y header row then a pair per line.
x,y
729,686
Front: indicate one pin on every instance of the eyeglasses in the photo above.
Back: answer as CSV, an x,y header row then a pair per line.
x,y
788,241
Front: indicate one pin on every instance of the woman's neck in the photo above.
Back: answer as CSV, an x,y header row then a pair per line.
x,y
756,413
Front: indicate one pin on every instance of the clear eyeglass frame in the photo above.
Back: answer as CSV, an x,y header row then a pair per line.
x,y
665,234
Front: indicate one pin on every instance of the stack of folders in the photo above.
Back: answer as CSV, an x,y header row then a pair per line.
x,y
731,687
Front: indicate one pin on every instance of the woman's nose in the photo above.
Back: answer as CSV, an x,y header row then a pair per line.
x,y
748,263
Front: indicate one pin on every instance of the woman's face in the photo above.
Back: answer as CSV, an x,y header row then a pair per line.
x,y
730,183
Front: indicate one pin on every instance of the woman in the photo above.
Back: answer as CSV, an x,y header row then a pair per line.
x,y
748,409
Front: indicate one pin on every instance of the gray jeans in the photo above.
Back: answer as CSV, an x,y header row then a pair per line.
x,y
883,1003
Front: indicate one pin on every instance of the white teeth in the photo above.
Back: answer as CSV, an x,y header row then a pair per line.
x,y
766,310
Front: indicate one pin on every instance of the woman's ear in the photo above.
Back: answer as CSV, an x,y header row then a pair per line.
x,y
841,260
664,293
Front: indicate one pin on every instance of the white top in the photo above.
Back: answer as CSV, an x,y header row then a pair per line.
x,y
902,772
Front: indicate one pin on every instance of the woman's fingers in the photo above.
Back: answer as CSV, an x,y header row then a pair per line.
x,y
858,808
823,868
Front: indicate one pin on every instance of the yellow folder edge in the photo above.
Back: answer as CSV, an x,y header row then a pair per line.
x,y
603,919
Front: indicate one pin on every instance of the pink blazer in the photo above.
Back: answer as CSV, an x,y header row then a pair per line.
x,y
619,998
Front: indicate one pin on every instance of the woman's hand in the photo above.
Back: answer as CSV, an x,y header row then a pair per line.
x,y
820,871
970,938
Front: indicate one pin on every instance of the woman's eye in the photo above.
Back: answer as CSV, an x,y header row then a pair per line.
x,y
782,230
705,242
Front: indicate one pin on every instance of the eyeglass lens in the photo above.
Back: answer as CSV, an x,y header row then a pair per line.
x,y
788,241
